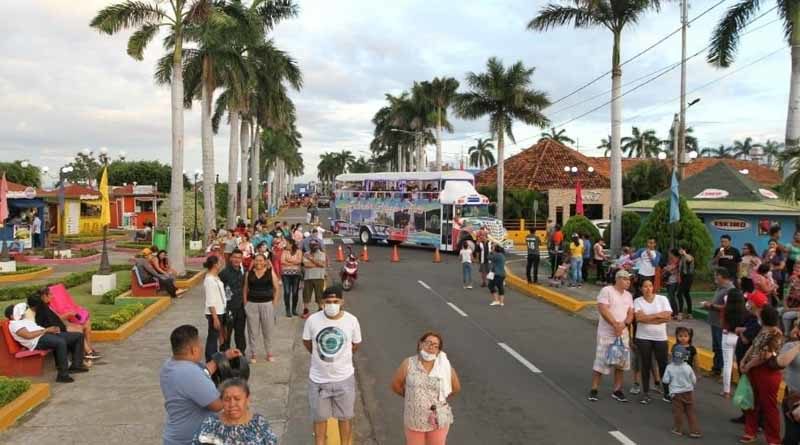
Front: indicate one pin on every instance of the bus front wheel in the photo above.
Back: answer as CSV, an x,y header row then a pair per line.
x,y
365,236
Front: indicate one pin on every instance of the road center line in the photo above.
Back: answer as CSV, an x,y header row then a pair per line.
x,y
457,309
623,439
424,284
520,358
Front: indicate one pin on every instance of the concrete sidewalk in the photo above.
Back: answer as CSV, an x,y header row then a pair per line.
x,y
119,400
588,293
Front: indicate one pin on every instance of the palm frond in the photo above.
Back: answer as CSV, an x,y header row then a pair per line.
x,y
554,15
725,37
129,14
139,40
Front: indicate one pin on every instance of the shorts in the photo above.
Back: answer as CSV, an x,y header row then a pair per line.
x,y
484,268
335,399
497,284
313,287
603,343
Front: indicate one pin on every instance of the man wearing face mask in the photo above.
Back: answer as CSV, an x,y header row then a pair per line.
x,y
331,336
315,263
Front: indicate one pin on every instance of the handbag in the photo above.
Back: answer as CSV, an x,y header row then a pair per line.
x,y
743,397
490,276
618,355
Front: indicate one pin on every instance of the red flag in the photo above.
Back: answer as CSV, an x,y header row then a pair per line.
x,y
3,199
578,199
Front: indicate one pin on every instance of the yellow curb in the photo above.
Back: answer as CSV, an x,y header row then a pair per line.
x,y
136,323
191,282
551,296
15,278
30,399
333,433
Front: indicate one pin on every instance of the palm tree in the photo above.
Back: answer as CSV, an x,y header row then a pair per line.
x,y
725,42
558,136
327,169
641,144
360,165
691,141
440,92
743,149
413,113
480,154
613,15
719,152
148,19
605,144
772,151
505,95
343,159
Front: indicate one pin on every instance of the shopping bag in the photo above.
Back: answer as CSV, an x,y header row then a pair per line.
x,y
743,397
618,355
490,276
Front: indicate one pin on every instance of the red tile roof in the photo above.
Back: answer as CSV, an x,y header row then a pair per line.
x,y
541,167
70,191
757,172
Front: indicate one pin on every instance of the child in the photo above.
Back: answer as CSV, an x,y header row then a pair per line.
x,y
681,380
561,274
684,337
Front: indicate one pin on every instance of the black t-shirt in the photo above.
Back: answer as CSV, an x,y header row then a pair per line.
x,y
730,259
751,329
260,290
233,279
45,317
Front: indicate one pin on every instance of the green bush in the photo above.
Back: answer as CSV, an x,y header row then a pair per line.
x,y
118,318
689,232
21,269
49,254
518,202
10,389
630,225
132,245
110,297
582,226
71,280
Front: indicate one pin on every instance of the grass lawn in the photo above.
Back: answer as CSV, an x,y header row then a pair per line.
x,y
82,294
24,268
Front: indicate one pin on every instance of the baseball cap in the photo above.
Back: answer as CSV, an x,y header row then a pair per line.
x,y
623,274
146,252
757,298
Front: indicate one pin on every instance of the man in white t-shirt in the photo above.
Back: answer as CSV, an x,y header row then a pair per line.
x,y
36,229
615,306
331,336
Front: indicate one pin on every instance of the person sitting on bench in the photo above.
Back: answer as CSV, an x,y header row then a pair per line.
x,y
34,337
149,274
46,317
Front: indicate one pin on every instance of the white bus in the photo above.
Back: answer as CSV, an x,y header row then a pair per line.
x,y
437,209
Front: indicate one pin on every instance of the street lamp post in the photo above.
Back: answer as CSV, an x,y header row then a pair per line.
x,y
105,265
62,205
195,234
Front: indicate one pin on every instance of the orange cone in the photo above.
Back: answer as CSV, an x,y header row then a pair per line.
x,y
395,255
437,257
339,254
365,254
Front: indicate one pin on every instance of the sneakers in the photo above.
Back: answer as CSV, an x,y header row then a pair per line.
x,y
469,286
667,398
635,389
494,303
593,396
93,355
78,369
502,304
619,396
645,400
64,379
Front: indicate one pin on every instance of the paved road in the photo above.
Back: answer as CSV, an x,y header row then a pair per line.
x,y
504,401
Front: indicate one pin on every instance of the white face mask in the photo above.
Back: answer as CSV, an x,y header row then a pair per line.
x,y
331,309
427,356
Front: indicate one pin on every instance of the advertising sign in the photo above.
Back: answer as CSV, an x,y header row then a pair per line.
x,y
712,194
23,235
730,224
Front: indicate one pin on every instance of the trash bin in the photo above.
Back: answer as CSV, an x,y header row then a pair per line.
x,y
160,239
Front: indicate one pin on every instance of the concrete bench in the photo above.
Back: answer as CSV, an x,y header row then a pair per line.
x,y
15,360
141,289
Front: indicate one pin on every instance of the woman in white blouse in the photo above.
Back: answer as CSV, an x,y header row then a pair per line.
x,y
214,292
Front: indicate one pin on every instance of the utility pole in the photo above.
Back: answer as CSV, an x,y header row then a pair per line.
x,y
675,144
682,124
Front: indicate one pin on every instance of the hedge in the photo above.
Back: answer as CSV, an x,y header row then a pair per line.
x,y
49,254
10,389
132,245
582,226
71,280
21,269
110,297
630,225
118,318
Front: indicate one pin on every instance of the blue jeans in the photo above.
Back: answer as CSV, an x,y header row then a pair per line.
x,y
716,346
575,270
466,270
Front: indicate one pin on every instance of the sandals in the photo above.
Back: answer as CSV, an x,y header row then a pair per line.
x,y
677,432
747,439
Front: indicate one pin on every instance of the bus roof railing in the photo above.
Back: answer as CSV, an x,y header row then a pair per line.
x,y
406,176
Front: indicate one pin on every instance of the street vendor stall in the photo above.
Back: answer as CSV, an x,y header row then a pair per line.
x,y
23,206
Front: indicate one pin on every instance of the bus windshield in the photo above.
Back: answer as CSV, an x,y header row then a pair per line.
x,y
474,211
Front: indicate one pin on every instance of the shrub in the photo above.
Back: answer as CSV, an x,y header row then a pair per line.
x,y
110,297
132,245
71,280
582,226
118,318
10,389
21,269
689,232
630,225
81,253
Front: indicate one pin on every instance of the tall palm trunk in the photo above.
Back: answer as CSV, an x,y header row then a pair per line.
x,y
501,171
255,184
233,167
616,152
207,142
176,228
793,115
438,166
245,135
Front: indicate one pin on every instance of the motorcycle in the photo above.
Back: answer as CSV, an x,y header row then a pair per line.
x,y
349,272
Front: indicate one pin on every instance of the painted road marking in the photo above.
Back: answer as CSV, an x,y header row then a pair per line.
x,y
520,358
457,309
424,284
623,439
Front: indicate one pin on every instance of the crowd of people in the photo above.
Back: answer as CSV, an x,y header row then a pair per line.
x,y
753,318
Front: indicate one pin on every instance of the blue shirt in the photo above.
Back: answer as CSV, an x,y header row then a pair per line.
x,y
587,249
680,378
498,264
187,391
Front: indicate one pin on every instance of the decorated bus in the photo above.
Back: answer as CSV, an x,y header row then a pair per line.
x,y
437,209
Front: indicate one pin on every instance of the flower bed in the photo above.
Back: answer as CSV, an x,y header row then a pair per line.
x,y
10,389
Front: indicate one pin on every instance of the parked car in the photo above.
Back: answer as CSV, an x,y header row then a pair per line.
x,y
602,225
323,201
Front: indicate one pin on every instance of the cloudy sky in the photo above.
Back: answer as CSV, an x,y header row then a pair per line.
x,y
65,87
